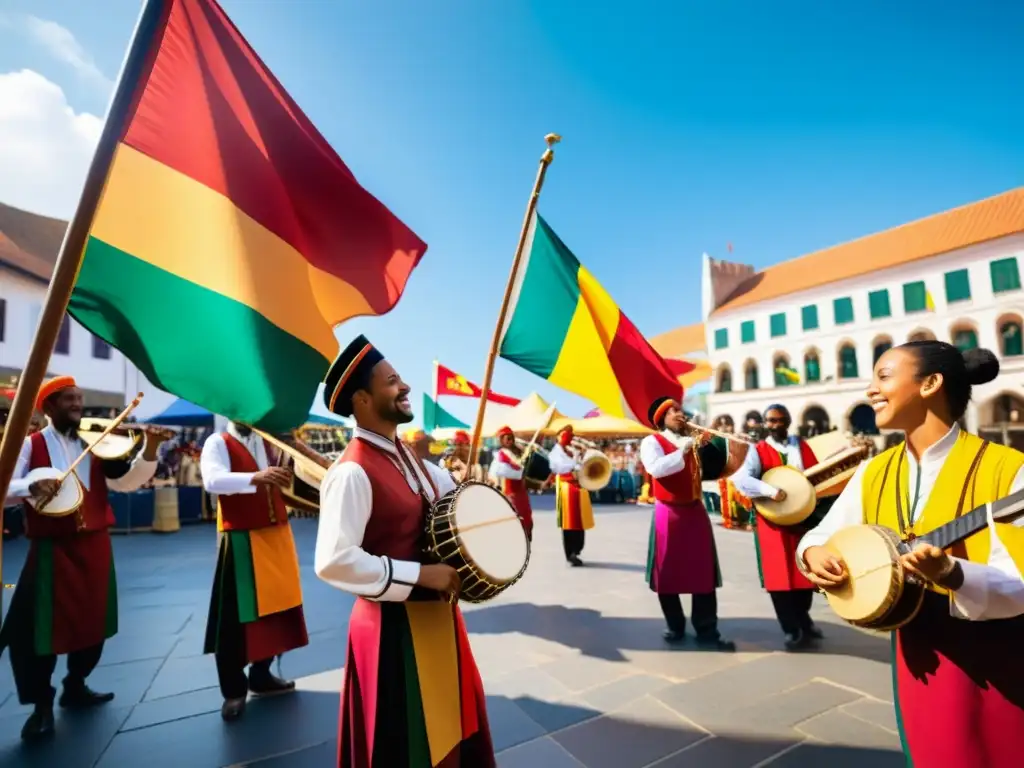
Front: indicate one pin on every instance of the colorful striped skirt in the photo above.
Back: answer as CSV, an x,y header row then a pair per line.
x,y
69,588
572,506
412,695
257,585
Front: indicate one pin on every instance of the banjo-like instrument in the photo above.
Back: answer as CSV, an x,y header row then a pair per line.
x,y
805,489
878,593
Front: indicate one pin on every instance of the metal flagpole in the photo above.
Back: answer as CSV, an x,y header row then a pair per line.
x,y
531,206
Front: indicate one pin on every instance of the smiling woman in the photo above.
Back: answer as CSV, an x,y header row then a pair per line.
x,y
975,595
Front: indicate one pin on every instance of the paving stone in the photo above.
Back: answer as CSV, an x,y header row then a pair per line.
x,y
528,682
840,728
556,715
540,753
878,713
580,672
726,752
171,708
80,739
632,738
624,691
785,710
183,675
136,646
310,757
834,756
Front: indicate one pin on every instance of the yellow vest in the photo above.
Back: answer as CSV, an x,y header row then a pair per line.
x,y
957,491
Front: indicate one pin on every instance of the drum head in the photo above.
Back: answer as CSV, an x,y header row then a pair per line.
x,y
800,498
67,500
490,533
869,557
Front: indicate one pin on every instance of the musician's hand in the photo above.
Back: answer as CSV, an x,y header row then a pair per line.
x,y
44,490
779,495
278,476
703,438
928,562
154,438
440,578
824,569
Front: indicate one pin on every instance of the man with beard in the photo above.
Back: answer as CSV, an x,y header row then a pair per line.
x,y
412,693
790,590
681,558
66,600
509,466
256,602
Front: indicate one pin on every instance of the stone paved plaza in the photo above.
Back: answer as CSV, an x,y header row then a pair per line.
x,y
572,660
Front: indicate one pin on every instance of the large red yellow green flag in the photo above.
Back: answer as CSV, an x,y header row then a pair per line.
x,y
563,326
231,238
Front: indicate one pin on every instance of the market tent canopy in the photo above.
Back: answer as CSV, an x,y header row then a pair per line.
x,y
523,419
182,413
602,426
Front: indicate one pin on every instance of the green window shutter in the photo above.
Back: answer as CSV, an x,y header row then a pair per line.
x,y
958,286
915,297
965,339
778,324
878,304
809,315
750,379
848,363
843,310
721,338
1005,275
1013,345
812,368
747,331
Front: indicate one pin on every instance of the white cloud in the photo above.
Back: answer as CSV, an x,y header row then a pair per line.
x,y
60,43
45,146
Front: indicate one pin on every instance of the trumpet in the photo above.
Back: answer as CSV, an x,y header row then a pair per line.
x,y
690,426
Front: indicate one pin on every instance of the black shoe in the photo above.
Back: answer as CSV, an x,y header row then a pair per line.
x,y
39,724
81,696
814,632
269,685
575,561
798,641
674,637
232,709
716,643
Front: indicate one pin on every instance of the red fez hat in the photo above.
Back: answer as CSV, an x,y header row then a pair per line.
x,y
461,438
505,431
565,436
52,387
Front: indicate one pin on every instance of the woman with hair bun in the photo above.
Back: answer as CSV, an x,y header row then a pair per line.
x,y
958,668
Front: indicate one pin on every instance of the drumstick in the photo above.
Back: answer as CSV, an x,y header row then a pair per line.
x,y
110,428
486,523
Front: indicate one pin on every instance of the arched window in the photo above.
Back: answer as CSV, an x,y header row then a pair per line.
x,y
784,374
1010,338
725,379
964,339
921,335
881,345
812,367
848,362
750,375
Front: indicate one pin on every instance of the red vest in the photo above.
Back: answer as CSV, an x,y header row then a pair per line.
x,y
681,487
398,515
249,511
771,458
95,513
508,485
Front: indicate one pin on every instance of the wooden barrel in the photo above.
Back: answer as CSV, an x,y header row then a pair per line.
x,y
165,510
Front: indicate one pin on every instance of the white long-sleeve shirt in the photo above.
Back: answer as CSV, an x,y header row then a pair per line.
x,y
512,469
63,451
346,501
215,463
990,591
656,462
748,478
561,462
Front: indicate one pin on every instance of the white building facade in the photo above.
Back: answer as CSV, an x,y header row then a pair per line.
x,y
107,377
830,332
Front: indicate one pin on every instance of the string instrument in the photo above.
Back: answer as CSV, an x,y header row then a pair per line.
x,y
121,441
70,492
308,467
737,451
879,593
805,489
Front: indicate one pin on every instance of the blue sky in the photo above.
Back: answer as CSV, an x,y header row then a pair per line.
x,y
779,127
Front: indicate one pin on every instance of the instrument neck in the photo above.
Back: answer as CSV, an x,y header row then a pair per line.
x,y
965,526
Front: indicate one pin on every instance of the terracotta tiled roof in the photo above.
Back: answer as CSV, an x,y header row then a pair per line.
x,y
29,242
968,225
680,342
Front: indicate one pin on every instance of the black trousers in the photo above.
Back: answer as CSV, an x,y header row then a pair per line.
x,y
225,635
793,610
704,614
33,672
572,543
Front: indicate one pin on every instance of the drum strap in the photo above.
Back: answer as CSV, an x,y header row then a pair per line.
x,y
404,455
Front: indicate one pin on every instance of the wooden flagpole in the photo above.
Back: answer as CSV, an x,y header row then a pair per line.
x,y
65,271
531,206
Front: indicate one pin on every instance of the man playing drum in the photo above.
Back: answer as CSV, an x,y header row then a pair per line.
x,y
412,694
790,591
958,668
508,467
681,557
66,599
256,602
572,503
